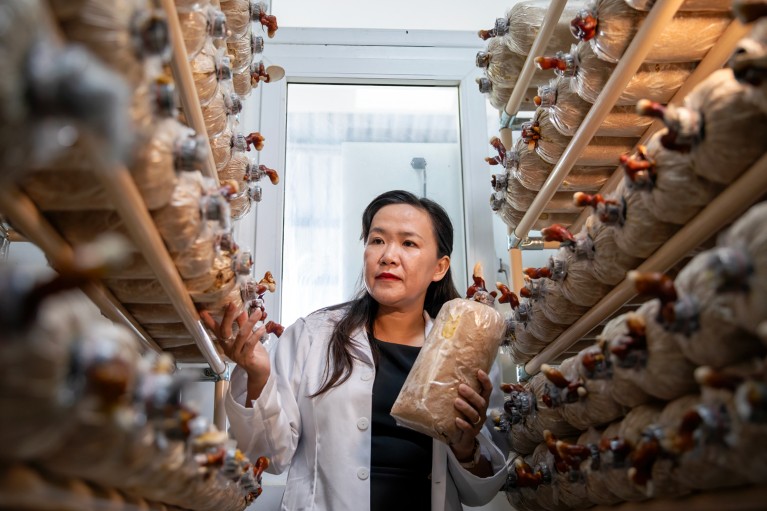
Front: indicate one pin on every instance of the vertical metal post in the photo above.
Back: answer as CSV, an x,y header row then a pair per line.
x,y
219,413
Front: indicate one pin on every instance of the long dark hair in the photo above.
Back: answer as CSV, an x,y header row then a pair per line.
x,y
362,310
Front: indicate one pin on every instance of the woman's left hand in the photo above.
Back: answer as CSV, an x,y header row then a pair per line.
x,y
472,409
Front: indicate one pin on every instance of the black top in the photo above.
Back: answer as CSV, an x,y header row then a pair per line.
x,y
400,457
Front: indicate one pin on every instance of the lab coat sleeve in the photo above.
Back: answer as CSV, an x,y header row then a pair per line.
x,y
477,491
273,425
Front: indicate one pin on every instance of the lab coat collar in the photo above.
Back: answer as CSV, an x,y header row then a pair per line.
x,y
361,344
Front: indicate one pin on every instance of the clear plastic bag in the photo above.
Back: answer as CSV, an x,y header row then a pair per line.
x,y
141,113
706,327
651,357
121,33
625,390
546,417
65,188
747,63
523,345
687,5
180,222
520,198
610,264
239,15
153,313
742,261
672,190
521,476
544,495
523,22
661,475
539,325
527,167
241,204
610,25
589,74
220,272
617,442
512,217
199,23
550,143
43,89
205,73
567,111
718,125
242,83
241,49
591,471
215,114
498,97
503,66
571,484
574,271
171,147
225,145
37,418
465,337
636,230
585,403
237,296
237,169
167,331
137,290
553,304
221,147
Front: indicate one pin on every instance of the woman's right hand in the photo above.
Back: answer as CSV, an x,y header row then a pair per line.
x,y
244,349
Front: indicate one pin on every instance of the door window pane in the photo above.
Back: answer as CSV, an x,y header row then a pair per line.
x,y
345,145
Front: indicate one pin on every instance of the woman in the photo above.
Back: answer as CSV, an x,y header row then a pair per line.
x,y
320,403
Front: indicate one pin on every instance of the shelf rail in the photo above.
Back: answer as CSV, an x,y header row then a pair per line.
x,y
550,20
182,75
23,213
657,20
725,208
126,198
714,59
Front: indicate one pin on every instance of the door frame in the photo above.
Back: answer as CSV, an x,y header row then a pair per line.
x,y
392,57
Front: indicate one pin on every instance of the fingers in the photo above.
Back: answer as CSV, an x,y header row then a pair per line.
x,y
471,414
227,321
474,400
486,384
251,321
465,427
208,321
251,342
241,319
246,332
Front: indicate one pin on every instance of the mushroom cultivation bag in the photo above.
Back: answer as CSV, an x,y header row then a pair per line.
x,y
465,337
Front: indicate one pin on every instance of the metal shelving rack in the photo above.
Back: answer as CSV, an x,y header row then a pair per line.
x,y
732,202
125,196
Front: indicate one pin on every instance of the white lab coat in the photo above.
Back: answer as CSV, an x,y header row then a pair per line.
x,y
326,440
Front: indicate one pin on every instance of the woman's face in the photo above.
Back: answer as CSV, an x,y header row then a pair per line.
x,y
401,257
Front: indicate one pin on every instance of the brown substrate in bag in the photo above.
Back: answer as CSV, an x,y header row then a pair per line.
x,y
706,329
465,337
657,82
600,151
567,111
686,38
532,171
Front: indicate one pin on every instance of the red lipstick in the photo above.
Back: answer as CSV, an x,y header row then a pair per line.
x,y
387,276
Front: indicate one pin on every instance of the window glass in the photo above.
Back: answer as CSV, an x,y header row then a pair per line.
x,y
345,145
